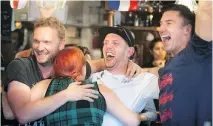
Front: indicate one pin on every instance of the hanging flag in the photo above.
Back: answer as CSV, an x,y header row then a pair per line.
x,y
133,5
18,4
123,5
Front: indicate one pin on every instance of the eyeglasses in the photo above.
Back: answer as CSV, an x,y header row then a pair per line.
x,y
121,29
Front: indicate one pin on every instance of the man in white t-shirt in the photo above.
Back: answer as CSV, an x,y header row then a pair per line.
x,y
118,46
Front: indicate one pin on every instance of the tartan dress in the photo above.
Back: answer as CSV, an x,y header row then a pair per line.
x,y
79,113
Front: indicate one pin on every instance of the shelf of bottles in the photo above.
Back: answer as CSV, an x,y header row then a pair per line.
x,y
147,16
141,28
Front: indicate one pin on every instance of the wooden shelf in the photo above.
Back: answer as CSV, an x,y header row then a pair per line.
x,y
128,27
141,28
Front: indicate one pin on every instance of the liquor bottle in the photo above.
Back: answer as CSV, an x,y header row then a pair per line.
x,y
150,20
147,21
150,15
136,22
141,22
130,19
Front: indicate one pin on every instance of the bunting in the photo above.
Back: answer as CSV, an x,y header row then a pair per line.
x,y
18,4
123,5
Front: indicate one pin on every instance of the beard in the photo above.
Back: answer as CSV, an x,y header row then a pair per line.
x,y
48,62
110,64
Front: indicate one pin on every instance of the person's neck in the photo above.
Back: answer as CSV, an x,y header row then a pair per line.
x,y
46,70
118,70
184,43
174,53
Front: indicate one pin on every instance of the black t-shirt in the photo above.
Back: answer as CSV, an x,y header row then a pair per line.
x,y
26,70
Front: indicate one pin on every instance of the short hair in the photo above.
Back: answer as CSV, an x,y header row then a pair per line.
x,y
188,16
69,62
153,43
136,52
53,23
84,49
148,56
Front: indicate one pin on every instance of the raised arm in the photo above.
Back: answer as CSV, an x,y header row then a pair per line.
x,y
203,21
125,115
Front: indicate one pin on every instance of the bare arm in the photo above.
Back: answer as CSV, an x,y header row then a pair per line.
x,y
29,104
25,110
203,21
153,70
149,113
121,112
37,92
8,114
75,91
97,65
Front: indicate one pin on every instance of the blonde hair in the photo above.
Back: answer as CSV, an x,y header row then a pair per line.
x,y
53,23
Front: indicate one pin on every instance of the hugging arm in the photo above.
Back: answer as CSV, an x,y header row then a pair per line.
x,y
29,104
25,110
149,113
125,115
99,65
7,111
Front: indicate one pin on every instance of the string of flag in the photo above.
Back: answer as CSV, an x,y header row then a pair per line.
x,y
123,5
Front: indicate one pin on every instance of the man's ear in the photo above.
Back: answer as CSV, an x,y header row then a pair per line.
x,y
131,51
188,29
62,44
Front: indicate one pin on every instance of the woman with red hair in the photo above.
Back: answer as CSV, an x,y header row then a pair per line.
x,y
70,62
69,66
